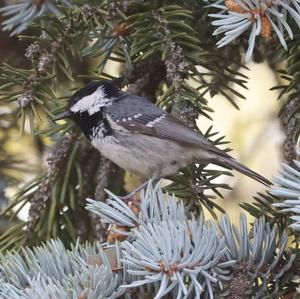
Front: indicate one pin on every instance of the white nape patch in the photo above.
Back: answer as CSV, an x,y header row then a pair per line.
x,y
152,123
92,103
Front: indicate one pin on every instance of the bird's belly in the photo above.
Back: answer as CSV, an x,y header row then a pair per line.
x,y
145,156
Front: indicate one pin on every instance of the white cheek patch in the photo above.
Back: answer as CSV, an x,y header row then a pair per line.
x,y
92,103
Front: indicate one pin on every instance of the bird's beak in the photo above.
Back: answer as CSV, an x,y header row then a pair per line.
x,y
63,115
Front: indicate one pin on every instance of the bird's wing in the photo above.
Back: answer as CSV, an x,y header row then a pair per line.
x,y
138,115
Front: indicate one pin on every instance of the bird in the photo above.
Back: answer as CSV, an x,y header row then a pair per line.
x,y
141,137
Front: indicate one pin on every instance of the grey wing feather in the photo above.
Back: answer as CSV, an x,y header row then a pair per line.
x,y
139,115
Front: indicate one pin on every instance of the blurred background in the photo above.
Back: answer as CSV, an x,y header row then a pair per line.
x,y
254,133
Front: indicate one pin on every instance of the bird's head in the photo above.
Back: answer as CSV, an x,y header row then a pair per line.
x,y
89,100
86,105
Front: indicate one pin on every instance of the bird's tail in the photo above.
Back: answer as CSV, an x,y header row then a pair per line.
x,y
231,163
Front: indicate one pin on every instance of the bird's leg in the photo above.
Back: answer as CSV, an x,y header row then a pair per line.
x,y
139,188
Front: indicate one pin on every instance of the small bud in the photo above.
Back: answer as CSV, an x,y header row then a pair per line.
x,y
233,6
33,51
266,26
114,235
87,10
135,205
176,67
55,46
121,29
25,99
38,2
67,28
45,62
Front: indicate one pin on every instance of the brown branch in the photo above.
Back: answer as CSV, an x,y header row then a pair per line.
x,y
290,125
102,182
90,163
56,161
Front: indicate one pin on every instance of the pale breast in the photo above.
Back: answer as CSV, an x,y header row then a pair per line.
x,y
121,155
145,156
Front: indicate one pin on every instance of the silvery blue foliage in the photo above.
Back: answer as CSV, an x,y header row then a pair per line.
x,y
259,252
113,211
55,272
166,249
155,206
20,15
289,188
255,17
166,253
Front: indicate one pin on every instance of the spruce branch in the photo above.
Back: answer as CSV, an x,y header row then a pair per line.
x,y
56,52
169,253
260,257
290,118
101,183
56,272
56,198
162,35
259,18
162,245
146,83
192,183
220,70
289,189
22,14
86,188
263,205
25,87
108,38
289,96
148,257
11,166
56,161
152,259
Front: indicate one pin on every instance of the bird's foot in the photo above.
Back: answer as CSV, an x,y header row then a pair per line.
x,y
131,195
128,197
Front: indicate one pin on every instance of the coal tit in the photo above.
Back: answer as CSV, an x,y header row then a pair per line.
x,y
141,137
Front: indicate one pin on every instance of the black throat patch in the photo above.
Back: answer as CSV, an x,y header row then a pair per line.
x,y
93,126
